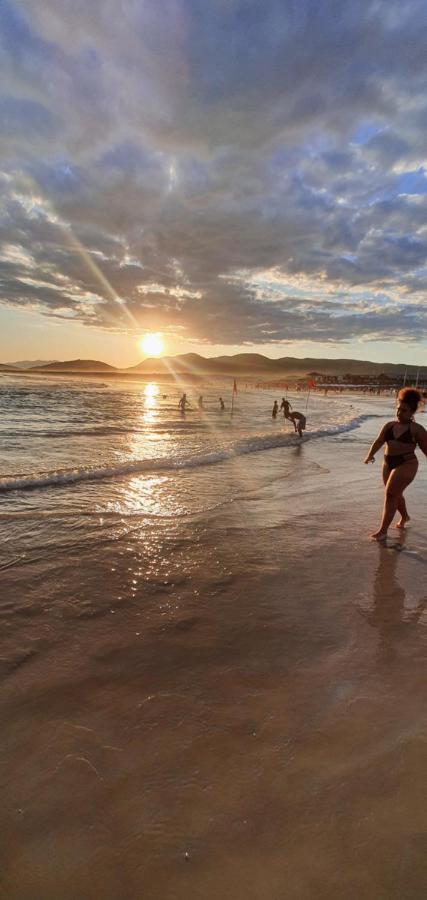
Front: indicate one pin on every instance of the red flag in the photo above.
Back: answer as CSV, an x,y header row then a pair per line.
x,y
312,383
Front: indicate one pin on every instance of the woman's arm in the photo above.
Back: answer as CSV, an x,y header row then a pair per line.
x,y
421,438
378,442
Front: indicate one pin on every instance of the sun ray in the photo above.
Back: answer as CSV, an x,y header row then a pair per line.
x,y
75,244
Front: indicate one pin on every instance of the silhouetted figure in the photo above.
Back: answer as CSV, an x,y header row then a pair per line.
x,y
299,421
275,409
221,403
286,406
183,404
200,402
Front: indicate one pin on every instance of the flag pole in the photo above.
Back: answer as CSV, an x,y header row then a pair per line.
x,y
232,397
310,384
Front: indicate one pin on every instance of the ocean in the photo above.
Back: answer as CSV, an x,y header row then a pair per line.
x,y
93,432
213,683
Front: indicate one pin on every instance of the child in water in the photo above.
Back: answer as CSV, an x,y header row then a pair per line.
x,y
275,409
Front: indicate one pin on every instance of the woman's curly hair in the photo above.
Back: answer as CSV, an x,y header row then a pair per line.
x,y
411,397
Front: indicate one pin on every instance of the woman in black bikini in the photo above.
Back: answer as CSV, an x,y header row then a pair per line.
x,y
400,463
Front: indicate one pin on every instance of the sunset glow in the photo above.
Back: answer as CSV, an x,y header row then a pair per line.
x,y
152,344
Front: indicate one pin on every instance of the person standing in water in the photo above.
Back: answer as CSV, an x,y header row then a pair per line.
x,y
400,463
299,421
183,404
200,402
275,409
221,403
286,406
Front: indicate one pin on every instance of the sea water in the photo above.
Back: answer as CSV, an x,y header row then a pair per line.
x,y
56,434
213,684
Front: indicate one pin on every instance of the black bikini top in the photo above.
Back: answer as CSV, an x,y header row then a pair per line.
x,y
405,438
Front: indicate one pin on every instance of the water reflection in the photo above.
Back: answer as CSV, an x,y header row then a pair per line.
x,y
150,413
391,611
150,391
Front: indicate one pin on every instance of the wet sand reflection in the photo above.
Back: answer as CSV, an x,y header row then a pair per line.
x,y
391,611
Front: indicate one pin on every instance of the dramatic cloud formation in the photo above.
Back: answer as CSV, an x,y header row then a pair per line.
x,y
236,172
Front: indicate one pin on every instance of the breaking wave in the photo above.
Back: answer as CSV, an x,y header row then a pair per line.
x,y
254,444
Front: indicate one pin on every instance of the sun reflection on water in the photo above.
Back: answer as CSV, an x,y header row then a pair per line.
x,y
150,391
151,412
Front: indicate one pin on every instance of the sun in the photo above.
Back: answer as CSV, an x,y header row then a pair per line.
x,y
152,344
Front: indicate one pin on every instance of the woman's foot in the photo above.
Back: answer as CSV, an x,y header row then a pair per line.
x,y
379,536
402,522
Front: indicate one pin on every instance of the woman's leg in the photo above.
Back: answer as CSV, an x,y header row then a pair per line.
x,y
404,515
401,506
397,482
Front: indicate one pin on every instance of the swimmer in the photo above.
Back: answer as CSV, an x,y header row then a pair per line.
x,y
299,421
183,404
275,409
286,406
400,463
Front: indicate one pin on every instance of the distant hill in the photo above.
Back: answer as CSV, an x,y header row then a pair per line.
x,y
247,363
255,364
242,365
32,363
7,367
75,365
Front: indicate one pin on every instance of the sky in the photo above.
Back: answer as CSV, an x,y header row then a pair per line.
x,y
238,176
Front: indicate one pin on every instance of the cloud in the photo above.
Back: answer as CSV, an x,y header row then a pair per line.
x,y
159,157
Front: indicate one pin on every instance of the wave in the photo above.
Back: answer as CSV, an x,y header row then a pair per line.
x,y
241,447
99,431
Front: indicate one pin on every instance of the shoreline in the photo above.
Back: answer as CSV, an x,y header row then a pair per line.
x,y
257,697
253,381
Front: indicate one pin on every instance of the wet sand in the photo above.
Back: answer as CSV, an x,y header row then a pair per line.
x,y
253,726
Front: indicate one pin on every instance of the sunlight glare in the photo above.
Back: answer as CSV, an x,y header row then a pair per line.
x,y
151,389
152,344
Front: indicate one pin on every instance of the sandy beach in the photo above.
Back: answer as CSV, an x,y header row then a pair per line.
x,y
228,704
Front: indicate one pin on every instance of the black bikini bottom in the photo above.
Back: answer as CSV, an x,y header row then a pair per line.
x,y
394,461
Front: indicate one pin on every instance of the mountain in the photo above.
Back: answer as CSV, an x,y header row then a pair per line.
x,y
192,363
165,365
240,365
255,364
7,367
32,363
75,365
